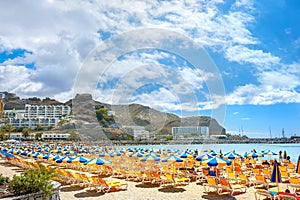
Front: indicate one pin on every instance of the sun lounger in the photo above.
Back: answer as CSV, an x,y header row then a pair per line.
x,y
285,176
162,180
260,180
94,182
244,180
266,173
264,193
212,183
113,185
231,188
294,183
231,177
177,181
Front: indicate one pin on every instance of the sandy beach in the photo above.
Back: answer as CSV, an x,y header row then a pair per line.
x,y
138,190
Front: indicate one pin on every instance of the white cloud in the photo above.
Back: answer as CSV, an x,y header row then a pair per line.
x,y
61,34
276,86
17,79
297,43
246,119
244,55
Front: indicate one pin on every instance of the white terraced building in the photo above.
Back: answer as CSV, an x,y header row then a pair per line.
x,y
33,115
33,122
46,111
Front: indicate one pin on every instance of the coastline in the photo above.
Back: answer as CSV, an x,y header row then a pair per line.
x,y
210,141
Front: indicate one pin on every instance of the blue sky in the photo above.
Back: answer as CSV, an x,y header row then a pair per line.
x,y
255,46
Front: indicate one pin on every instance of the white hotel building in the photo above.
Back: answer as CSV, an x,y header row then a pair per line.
x,y
44,115
45,136
139,132
187,130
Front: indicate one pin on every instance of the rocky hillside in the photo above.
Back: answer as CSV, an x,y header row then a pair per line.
x,y
12,101
83,108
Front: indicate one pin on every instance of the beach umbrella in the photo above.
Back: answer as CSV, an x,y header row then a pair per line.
x,y
51,156
186,155
61,159
206,150
137,154
24,153
40,156
115,153
298,166
80,159
46,156
31,153
70,152
231,155
10,151
47,149
232,152
270,153
276,177
35,155
97,161
57,157
216,161
102,154
253,155
150,157
172,158
57,151
204,157
213,153
8,155
16,152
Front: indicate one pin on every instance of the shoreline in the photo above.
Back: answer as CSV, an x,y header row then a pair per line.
x,y
176,142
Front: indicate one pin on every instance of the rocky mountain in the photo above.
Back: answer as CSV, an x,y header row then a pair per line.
x,y
83,108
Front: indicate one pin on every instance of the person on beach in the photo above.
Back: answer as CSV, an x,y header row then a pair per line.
x,y
288,159
280,156
284,155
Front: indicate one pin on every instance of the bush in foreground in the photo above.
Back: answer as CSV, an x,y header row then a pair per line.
x,y
32,181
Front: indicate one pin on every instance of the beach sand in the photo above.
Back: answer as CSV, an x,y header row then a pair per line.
x,y
138,190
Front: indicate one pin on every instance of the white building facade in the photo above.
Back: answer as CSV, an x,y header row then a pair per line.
x,y
139,132
45,136
33,122
188,130
46,111
55,136
33,115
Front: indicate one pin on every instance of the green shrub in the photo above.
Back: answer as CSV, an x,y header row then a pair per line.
x,y
3,179
32,181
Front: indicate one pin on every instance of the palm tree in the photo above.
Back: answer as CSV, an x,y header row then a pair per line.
x,y
26,132
9,128
2,134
